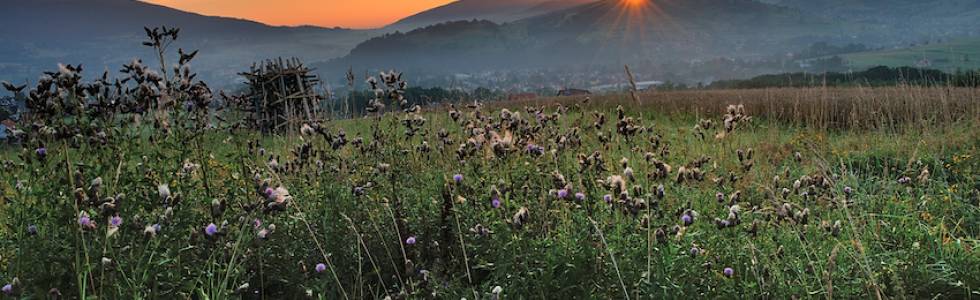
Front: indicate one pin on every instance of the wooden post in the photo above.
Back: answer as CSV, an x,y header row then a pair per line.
x,y
636,98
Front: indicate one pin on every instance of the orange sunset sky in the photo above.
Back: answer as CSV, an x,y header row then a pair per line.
x,y
327,13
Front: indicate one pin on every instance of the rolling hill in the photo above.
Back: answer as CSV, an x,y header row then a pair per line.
x,y
498,11
39,34
602,32
961,54
896,21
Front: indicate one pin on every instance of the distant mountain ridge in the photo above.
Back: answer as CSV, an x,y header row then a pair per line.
x,y
610,32
102,34
600,32
498,11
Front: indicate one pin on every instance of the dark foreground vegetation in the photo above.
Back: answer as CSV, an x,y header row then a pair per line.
x,y
877,76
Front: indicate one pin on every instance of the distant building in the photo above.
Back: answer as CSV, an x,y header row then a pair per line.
x,y
573,92
622,86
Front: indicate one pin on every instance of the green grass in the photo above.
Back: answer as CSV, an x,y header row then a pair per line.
x,y
961,54
917,240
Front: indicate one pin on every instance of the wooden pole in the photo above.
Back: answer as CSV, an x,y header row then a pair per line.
x,y
629,75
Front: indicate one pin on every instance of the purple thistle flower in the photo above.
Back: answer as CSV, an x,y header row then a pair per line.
x,y
115,221
729,272
410,240
535,149
695,251
156,227
32,229
84,221
848,190
725,223
211,229
562,193
580,196
458,178
320,267
257,223
41,152
495,203
7,289
687,220
608,198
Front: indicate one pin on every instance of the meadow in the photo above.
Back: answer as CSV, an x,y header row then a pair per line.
x,y
949,56
151,186
781,193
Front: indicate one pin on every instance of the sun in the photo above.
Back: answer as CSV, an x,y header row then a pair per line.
x,y
634,3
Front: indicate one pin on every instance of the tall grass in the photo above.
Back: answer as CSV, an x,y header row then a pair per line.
x,y
901,107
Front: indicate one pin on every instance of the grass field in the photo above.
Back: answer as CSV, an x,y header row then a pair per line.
x,y
802,193
949,57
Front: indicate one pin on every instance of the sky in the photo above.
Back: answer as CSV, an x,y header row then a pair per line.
x,y
327,13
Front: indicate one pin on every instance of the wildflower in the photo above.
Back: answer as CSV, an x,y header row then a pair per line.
x,y
495,203
306,130
164,191
617,183
8,289
85,221
320,267
729,272
722,223
41,152
660,234
720,197
481,230
535,150
280,195
410,240
608,198
264,232
32,229
115,221
520,218
695,251
848,190
628,172
257,223
580,196
211,229
458,178
495,293
562,193
151,230
687,220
